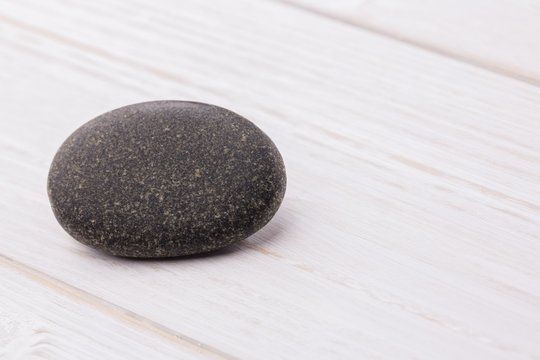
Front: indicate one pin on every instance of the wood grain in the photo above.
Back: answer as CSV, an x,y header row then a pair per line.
x,y
411,220
42,318
500,35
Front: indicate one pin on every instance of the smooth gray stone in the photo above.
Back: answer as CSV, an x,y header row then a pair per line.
x,y
166,178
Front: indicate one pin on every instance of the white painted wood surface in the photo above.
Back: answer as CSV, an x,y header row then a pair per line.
x,y
42,318
410,227
501,35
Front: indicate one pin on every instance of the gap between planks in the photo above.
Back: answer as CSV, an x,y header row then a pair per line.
x,y
291,3
125,316
412,42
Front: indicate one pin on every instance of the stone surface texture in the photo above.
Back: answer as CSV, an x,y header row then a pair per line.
x,y
165,178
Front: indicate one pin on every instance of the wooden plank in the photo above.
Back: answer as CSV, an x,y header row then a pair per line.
x,y
43,318
501,35
410,224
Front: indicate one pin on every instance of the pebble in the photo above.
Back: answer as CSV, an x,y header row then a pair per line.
x,y
166,178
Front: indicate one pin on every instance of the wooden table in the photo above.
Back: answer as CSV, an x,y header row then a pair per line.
x,y
411,135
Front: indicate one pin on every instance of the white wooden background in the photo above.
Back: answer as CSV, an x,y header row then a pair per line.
x,y
411,136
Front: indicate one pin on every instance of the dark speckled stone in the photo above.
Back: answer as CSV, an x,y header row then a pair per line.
x,y
165,178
